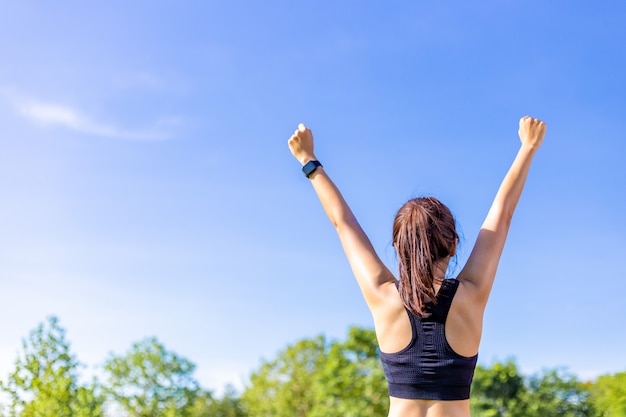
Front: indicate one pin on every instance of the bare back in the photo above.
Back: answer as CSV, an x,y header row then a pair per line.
x,y
463,329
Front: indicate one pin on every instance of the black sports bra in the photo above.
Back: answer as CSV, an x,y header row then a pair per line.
x,y
428,368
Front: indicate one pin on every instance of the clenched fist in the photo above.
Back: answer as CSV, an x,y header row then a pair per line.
x,y
301,144
531,131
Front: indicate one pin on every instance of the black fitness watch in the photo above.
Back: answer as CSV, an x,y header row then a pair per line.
x,y
310,167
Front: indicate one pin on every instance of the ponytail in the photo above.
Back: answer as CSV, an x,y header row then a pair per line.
x,y
423,234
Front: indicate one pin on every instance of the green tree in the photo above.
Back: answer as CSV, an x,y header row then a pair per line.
x,y
229,405
150,381
556,393
283,387
501,391
496,390
314,378
352,382
608,395
45,380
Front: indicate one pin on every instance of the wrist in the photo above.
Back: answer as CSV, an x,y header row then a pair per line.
x,y
303,160
529,148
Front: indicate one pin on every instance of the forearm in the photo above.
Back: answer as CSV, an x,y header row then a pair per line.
x,y
334,205
510,190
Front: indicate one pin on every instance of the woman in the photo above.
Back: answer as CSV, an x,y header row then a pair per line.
x,y
428,327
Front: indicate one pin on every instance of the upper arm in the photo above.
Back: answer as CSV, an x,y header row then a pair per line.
x,y
480,269
368,269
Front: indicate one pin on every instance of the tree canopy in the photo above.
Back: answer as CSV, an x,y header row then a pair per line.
x,y
44,382
317,378
314,377
150,381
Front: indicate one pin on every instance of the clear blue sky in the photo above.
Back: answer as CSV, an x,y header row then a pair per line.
x,y
146,187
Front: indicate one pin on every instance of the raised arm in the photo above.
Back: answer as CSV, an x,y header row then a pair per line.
x,y
368,269
481,266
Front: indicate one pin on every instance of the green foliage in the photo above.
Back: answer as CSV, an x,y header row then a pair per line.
x,y
501,391
609,395
45,380
496,390
87,403
314,378
150,381
352,382
227,406
282,388
554,393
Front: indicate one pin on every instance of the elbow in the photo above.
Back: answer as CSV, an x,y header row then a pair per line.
x,y
499,216
343,220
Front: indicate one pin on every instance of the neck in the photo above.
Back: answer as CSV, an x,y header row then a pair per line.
x,y
439,274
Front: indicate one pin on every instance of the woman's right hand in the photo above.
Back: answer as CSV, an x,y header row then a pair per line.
x,y
531,131
301,144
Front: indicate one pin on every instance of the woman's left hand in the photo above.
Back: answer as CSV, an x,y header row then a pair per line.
x,y
301,144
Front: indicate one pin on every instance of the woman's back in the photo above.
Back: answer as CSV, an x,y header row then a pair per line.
x,y
428,376
399,407
428,367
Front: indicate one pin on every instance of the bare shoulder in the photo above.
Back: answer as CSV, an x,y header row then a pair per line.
x,y
389,288
466,293
383,299
465,320
390,303
391,321
473,290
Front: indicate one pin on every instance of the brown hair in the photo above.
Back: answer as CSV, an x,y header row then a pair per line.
x,y
424,233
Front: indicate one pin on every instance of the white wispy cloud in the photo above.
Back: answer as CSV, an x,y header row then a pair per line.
x,y
60,115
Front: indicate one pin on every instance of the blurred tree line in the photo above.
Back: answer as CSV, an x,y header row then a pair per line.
x,y
312,378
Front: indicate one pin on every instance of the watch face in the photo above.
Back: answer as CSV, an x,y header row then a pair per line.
x,y
309,167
